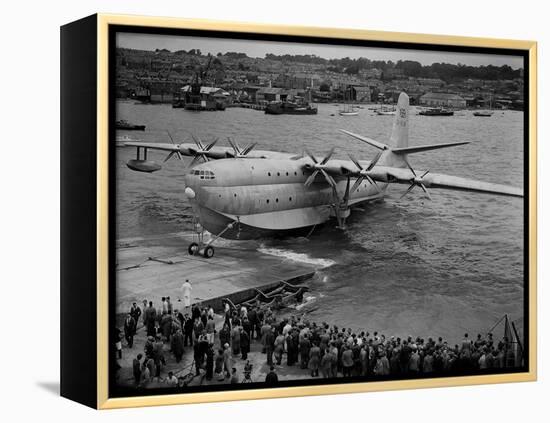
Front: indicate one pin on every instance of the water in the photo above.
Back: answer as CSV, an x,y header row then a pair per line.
x,y
409,266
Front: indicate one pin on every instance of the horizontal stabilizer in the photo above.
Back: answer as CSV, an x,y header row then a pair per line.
x,y
374,143
421,148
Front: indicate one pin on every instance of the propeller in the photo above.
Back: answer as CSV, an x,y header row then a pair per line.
x,y
318,167
202,151
239,153
175,152
339,204
416,180
363,172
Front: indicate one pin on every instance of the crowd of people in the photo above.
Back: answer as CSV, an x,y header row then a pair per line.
x,y
323,350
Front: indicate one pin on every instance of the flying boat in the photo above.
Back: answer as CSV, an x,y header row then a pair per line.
x,y
245,193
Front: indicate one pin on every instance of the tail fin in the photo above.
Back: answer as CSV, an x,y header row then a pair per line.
x,y
400,131
399,139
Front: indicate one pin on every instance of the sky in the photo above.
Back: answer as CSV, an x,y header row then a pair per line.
x,y
255,48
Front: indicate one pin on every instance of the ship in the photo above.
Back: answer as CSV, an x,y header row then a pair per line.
x,y
289,108
483,113
199,97
127,126
436,111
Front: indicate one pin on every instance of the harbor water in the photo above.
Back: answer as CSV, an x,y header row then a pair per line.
x,y
406,266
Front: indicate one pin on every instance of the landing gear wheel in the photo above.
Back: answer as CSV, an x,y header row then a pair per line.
x,y
208,252
193,248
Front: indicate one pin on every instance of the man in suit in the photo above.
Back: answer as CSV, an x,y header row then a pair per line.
x,y
136,368
135,312
269,341
150,319
305,345
266,328
129,330
188,331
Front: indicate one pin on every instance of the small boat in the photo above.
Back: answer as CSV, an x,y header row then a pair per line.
x,y
127,126
385,111
281,296
436,111
483,113
348,110
349,113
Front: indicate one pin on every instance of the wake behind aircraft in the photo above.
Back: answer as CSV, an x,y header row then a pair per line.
x,y
245,193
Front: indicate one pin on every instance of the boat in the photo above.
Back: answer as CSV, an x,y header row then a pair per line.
x,y
348,110
198,96
201,106
349,113
127,126
385,111
483,113
281,296
436,111
290,108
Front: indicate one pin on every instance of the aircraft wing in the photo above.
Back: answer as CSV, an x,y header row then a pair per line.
x,y
435,180
152,145
463,184
185,149
216,152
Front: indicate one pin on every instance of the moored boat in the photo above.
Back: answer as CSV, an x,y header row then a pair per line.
x,y
385,111
436,111
288,108
127,126
348,109
483,113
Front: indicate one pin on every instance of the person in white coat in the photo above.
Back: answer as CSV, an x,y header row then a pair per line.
x,y
186,289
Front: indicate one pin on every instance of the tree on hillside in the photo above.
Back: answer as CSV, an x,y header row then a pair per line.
x,y
410,67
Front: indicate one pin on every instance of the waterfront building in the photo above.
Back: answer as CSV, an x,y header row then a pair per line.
x,y
360,93
433,99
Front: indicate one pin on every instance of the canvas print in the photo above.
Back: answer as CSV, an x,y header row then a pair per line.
x,y
301,212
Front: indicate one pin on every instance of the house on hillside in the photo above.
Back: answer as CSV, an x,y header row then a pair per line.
x,y
443,100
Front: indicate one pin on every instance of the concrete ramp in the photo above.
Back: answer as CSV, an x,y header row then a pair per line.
x,y
153,267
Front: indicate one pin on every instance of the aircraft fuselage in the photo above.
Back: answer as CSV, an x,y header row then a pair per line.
x,y
266,195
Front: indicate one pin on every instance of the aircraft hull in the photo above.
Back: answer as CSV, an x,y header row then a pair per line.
x,y
215,223
265,198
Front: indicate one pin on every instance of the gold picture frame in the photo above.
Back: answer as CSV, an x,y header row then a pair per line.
x,y
103,22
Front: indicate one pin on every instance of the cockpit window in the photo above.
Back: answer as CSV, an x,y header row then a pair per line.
x,y
203,174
